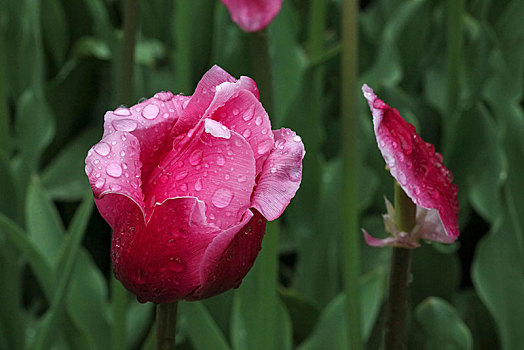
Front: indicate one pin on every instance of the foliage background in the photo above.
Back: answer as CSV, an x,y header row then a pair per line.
x,y
452,68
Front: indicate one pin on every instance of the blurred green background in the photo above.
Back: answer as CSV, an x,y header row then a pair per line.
x,y
452,68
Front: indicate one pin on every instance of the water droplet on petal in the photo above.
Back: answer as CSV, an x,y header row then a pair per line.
x,y
183,187
181,175
114,170
100,183
122,111
177,265
241,178
297,138
164,178
102,148
196,157
246,133
198,185
401,178
265,146
124,124
150,111
235,111
222,197
221,160
258,120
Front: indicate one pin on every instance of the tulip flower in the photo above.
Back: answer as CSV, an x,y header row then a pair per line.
x,y
253,15
188,182
420,172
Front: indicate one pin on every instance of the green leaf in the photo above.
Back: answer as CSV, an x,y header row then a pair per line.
x,y
497,275
442,326
444,270
197,322
255,307
44,226
478,319
330,332
302,312
35,129
64,177
66,262
55,31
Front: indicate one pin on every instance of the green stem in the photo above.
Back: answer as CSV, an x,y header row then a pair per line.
x,y
166,326
399,278
350,168
127,54
119,308
454,55
182,33
261,68
124,95
4,116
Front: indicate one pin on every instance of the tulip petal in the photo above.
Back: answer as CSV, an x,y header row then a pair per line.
x,y
399,241
244,114
213,91
150,122
217,166
230,256
251,15
160,263
414,163
113,166
281,176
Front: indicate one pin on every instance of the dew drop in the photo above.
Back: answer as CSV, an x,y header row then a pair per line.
x,y
196,157
198,185
124,124
248,115
122,111
246,133
164,178
221,160
183,187
114,170
264,147
150,111
297,138
181,175
402,178
258,120
177,265
100,183
235,111
102,148
222,197
241,178
280,143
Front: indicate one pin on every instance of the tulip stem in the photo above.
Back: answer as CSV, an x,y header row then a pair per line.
x,y
350,169
166,326
399,278
261,68
127,52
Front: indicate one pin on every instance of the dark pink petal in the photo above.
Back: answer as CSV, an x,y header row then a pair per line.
x,y
414,163
400,241
281,175
217,166
160,263
213,91
230,256
252,15
113,166
150,122
245,115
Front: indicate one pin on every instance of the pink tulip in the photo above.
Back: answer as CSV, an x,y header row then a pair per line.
x,y
420,172
253,15
187,184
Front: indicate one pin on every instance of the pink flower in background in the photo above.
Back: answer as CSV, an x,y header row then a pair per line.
x,y
187,184
420,172
253,15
